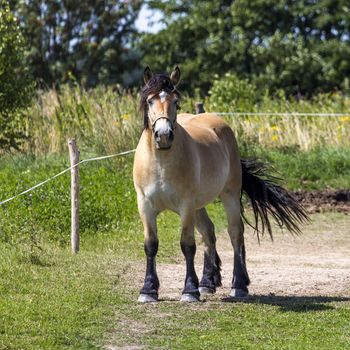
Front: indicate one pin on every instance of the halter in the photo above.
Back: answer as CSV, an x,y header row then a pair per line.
x,y
172,123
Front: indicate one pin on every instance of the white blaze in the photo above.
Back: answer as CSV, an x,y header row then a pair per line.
x,y
163,95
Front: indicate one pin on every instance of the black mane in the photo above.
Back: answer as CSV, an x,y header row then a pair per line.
x,y
155,85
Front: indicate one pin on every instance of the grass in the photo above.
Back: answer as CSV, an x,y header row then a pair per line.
x,y
57,302
304,132
101,120
318,168
108,201
106,121
53,300
85,302
50,299
290,324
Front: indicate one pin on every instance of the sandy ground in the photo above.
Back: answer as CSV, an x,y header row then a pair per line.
x,y
317,263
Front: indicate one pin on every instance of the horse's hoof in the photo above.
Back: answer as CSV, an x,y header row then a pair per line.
x,y
148,298
189,298
206,290
239,293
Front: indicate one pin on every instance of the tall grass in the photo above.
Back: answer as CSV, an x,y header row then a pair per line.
x,y
106,121
304,132
101,120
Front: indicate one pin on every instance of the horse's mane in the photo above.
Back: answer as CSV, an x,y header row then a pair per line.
x,y
155,85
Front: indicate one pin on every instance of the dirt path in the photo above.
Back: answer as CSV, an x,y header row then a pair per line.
x,y
314,264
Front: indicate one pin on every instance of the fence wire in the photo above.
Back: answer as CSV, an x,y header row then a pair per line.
x,y
63,172
287,114
296,114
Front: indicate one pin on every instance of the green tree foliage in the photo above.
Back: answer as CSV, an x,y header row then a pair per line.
x,y
300,46
231,93
88,41
15,82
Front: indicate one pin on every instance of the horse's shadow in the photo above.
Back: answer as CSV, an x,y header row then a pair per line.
x,y
292,303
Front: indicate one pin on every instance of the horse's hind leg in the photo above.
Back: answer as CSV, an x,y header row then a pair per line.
x,y
211,268
149,291
240,280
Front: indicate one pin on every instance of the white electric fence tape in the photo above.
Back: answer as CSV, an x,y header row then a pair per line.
x,y
294,114
64,171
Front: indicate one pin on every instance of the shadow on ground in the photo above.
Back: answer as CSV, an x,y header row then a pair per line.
x,y
292,303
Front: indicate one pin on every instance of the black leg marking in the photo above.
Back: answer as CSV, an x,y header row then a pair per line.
x,y
211,268
151,283
240,275
207,280
191,280
211,273
217,271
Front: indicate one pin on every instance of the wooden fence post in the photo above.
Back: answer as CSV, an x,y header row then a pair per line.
x,y
200,107
74,159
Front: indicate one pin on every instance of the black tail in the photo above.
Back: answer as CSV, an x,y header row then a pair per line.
x,y
268,197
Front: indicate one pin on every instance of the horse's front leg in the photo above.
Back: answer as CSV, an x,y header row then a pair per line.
x,y
188,247
149,291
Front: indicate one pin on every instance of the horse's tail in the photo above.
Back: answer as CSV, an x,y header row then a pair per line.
x,y
268,197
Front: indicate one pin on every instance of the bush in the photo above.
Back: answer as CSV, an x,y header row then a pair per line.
x,y
16,85
232,94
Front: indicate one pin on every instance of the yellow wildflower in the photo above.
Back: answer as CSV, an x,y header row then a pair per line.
x,y
345,119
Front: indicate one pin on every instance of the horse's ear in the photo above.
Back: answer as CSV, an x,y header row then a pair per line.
x,y
147,75
175,76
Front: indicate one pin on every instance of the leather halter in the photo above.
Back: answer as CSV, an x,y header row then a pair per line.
x,y
168,119
172,123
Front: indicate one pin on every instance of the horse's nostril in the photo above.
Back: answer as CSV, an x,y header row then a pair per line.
x,y
171,135
156,134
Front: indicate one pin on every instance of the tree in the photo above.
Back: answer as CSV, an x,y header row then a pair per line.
x,y
86,41
297,45
195,37
16,85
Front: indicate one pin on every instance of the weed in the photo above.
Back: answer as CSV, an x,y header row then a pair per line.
x,y
104,121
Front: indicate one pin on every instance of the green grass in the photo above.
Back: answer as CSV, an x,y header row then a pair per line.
x,y
57,302
50,299
109,218
108,207
105,121
299,323
317,168
62,301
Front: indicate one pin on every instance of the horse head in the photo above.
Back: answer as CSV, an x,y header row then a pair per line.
x,y
160,103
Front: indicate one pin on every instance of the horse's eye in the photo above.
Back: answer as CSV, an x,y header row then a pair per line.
x,y
150,102
177,105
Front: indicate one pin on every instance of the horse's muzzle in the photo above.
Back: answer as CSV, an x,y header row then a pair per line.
x,y
164,140
163,133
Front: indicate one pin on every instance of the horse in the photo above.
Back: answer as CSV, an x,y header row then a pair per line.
x,y
182,163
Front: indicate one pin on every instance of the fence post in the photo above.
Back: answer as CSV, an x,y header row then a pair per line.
x,y
200,107
74,159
